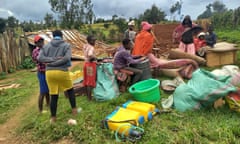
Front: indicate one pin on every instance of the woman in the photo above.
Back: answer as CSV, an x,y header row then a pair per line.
x,y
143,46
57,56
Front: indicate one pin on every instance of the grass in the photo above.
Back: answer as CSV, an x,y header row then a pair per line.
x,y
204,126
12,98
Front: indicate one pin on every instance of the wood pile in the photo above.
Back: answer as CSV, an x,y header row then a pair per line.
x,y
77,41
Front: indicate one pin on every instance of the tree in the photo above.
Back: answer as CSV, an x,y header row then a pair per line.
x,y
12,22
2,25
88,11
153,15
207,13
218,7
73,12
176,7
121,24
49,21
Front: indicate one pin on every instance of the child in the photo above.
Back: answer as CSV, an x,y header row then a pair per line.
x,y
41,70
200,43
89,68
211,37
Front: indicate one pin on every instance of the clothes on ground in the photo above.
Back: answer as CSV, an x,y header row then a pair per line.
x,y
89,74
187,66
202,90
143,43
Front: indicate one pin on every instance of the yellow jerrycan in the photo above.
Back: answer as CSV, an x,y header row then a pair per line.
x,y
145,109
124,122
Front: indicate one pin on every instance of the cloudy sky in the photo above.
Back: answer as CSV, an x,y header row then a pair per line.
x,y
36,9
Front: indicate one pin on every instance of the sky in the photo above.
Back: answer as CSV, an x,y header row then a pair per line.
x,y
36,9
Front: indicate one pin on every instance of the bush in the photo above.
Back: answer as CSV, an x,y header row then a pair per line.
x,y
27,63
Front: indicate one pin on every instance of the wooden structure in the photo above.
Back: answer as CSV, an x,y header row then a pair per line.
x,y
223,53
12,51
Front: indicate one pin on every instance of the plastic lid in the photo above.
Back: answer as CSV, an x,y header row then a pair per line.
x,y
141,120
150,116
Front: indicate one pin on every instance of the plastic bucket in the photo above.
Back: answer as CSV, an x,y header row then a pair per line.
x,y
146,71
146,90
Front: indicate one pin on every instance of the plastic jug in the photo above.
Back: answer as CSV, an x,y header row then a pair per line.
x,y
145,109
125,122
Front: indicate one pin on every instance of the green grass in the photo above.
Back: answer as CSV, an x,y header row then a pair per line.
x,y
12,98
203,126
232,36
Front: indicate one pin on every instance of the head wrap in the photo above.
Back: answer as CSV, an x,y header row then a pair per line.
x,y
146,26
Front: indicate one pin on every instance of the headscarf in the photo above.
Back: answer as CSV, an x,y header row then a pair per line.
x,y
146,26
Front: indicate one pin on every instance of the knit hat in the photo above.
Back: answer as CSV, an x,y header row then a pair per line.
x,y
37,38
146,26
201,34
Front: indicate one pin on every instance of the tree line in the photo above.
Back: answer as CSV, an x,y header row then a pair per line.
x,y
79,14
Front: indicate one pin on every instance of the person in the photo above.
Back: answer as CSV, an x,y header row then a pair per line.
x,y
144,40
143,46
130,33
200,44
181,28
41,68
211,37
90,66
57,56
123,59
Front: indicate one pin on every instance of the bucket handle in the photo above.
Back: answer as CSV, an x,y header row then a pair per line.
x,y
134,90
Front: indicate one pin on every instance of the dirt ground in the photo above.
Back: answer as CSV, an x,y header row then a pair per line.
x,y
7,130
163,33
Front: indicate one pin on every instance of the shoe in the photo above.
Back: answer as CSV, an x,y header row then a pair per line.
x,y
53,120
74,111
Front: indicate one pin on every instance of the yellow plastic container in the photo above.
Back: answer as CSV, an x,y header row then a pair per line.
x,y
76,74
121,119
145,109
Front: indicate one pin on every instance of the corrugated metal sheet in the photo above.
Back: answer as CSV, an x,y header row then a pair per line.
x,y
77,41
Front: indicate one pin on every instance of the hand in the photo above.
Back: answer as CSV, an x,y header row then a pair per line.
x,y
143,58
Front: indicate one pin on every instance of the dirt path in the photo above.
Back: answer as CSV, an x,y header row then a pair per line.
x,y
7,130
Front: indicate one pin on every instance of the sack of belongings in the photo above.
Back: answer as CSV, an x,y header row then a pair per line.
x,y
106,86
202,90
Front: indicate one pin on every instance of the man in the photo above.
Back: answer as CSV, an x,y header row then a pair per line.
x,y
123,59
130,33
44,92
57,56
